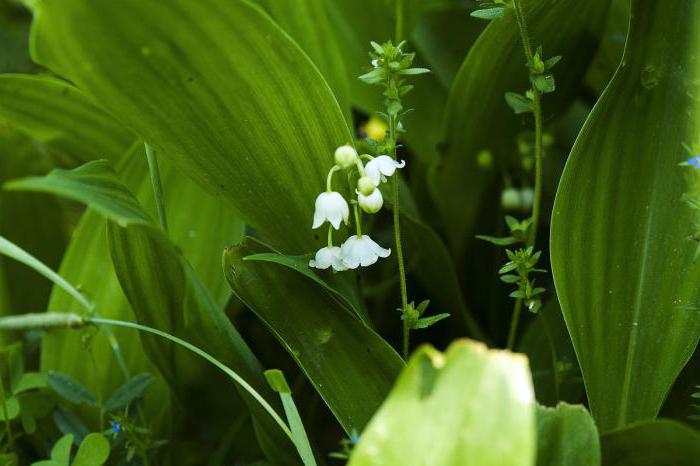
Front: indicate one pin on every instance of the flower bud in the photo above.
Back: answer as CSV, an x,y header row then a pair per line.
x,y
510,199
372,203
345,156
365,185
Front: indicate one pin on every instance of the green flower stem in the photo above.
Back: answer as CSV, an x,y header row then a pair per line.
x,y
399,247
157,185
398,33
537,111
358,225
330,236
329,178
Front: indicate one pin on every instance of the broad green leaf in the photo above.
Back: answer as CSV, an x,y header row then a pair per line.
x,y
128,392
61,117
347,297
165,293
621,255
233,102
308,23
93,451
566,436
95,184
660,442
60,452
468,406
69,388
477,116
322,337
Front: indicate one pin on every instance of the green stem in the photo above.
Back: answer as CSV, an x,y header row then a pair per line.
x,y
398,33
358,225
8,427
399,246
224,368
329,178
514,323
330,236
537,112
157,186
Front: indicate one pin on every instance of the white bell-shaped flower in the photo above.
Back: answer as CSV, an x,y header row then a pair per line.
x,y
330,206
372,203
345,156
382,166
329,256
361,251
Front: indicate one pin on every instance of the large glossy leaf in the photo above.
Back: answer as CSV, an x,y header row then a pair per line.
x,y
477,116
566,436
621,254
61,117
468,406
217,87
652,443
322,336
307,21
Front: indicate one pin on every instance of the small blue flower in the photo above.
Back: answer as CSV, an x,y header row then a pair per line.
x,y
116,427
694,161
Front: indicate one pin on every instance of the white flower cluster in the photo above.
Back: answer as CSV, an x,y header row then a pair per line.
x,y
358,250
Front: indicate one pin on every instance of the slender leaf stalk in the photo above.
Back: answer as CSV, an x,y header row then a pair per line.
x,y
157,185
203,354
537,112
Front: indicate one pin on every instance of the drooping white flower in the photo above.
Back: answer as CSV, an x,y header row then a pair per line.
x,y
372,203
361,251
382,166
510,199
329,256
330,206
345,156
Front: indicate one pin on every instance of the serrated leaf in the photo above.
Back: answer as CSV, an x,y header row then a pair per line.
x,y
625,235
426,322
69,388
128,392
518,102
488,13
